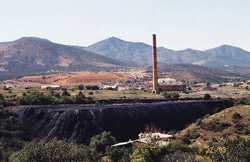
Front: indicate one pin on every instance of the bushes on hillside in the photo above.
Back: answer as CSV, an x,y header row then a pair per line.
x,y
10,134
119,154
52,151
39,98
236,150
99,149
2,100
65,92
215,126
81,87
171,96
207,97
179,156
36,98
192,134
92,87
173,152
236,117
8,146
80,98
100,143
245,101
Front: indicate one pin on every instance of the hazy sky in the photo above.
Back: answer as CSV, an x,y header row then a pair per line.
x,y
179,24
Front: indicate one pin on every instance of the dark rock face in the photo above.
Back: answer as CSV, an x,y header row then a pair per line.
x,y
77,123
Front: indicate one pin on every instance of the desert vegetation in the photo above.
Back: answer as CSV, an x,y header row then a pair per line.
x,y
200,142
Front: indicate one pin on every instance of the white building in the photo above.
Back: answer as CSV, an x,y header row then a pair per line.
x,y
50,86
169,81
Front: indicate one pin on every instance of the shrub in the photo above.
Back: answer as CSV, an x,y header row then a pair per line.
x,y
65,92
193,134
199,122
52,151
100,143
236,150
236,117
169,153
92,87
245,101
36,98
186,140
10,134
8,146
2,100
215,126
242,128
80,98
81,87
9,91
6,88
119,154
207,97
168,95
179,156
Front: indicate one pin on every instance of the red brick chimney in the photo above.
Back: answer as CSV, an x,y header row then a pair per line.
x,y
155,89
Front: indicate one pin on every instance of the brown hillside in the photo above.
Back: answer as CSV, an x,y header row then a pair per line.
x,y
230,123
76,78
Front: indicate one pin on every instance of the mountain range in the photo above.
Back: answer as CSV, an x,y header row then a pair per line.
x,y
197,73
30,55
137,53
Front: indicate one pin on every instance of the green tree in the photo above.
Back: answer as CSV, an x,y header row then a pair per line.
x,y
52,151
169,95
173,152
80,98
207,97
65,92
100,143
81,87
2,100
36,98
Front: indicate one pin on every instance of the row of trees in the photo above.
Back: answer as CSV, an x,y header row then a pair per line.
x,y
176,96
40,98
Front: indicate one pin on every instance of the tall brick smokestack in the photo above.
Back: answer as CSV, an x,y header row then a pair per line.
x,y
154,66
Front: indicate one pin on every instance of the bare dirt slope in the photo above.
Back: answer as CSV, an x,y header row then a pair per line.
x,y
76,78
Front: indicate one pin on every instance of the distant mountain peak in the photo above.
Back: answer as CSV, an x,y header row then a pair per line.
x,y
228,49
226,46
187,50
36,39
114,40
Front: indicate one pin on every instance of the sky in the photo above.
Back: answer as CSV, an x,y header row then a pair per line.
x,y
179,24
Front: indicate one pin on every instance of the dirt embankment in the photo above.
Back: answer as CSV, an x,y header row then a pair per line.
x,y
77,123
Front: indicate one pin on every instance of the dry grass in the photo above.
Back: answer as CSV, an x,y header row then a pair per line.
x,y
76,78
225,116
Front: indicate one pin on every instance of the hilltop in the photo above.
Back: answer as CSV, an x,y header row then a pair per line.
x,y
231,123
197,73
30,55
138,53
